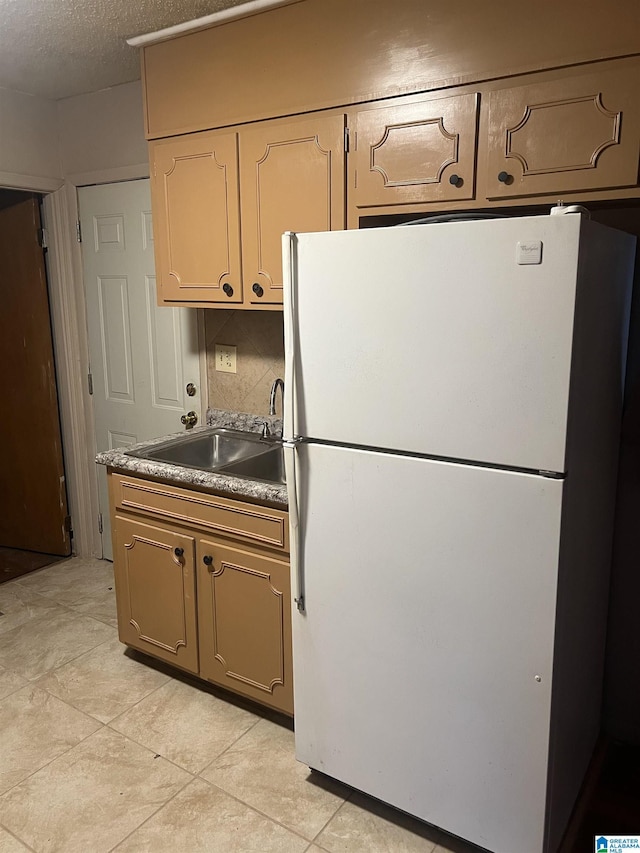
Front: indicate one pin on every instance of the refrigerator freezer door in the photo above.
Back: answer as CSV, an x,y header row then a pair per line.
x,y
439,339
422,666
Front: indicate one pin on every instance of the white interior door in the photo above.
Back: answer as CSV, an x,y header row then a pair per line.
x,y
142,356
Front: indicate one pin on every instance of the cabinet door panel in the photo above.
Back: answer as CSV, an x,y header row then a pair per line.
x,y
196,215
244,623
292,179
415,152
577,133
155,590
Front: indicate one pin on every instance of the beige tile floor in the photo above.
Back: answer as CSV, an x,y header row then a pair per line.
x,y
101,749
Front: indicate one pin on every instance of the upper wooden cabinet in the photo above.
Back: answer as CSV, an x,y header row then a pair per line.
x,y
222,199
291,178
564,135
411,151
196,213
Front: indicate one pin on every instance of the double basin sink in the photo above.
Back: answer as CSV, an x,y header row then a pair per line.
x,y
225,451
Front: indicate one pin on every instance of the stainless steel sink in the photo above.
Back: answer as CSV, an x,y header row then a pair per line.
x,y
207,450
268,466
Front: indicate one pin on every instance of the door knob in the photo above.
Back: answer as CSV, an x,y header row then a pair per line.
x,y
189,420
228,289
257,289
505,177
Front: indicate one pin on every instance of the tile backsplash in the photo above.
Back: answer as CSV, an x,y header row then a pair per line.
x,y
259,339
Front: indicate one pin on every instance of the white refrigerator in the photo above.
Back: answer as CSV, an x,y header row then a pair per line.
x,y
452,413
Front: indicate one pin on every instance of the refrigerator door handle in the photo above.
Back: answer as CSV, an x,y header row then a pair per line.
x,y
297,574
289,401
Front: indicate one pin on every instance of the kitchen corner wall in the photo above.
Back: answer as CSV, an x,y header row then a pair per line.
x,y
29,152
259,338
103,133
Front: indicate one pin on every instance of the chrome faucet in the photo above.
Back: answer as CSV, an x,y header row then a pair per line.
x,y
266,430
272,396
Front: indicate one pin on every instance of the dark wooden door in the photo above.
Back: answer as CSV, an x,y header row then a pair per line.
x,y
33,500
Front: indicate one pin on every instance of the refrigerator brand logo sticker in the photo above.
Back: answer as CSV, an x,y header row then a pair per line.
x,y
529,253
616,843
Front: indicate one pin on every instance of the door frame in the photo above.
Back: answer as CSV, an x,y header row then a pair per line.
x,y
71,344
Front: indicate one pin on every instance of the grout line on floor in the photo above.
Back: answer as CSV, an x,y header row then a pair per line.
x,y
45,597
75,657
66,604
328,821
161,806
42,595
148,748
17,837
135,705
227,748
55,758
35,621
81,710
256,810
65,701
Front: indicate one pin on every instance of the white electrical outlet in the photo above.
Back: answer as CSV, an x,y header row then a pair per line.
x,y
225,358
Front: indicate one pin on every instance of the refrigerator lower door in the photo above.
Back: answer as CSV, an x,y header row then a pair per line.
x,y
422,662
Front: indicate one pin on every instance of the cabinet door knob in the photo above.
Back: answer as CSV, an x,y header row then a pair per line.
x,y
504,177
257,289
227,289
207,560
179,552
456,180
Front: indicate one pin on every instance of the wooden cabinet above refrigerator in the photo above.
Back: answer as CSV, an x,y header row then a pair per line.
x,y
439,117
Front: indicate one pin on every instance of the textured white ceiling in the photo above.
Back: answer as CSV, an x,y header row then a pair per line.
x,y
58,48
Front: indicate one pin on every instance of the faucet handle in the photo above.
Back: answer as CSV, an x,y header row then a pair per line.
x,y
266,432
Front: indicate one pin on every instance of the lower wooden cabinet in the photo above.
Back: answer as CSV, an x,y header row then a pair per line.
x,y
244,617
202,582
156,591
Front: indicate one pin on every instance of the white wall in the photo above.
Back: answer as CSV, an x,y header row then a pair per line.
x,y
29,151
88,138
102,135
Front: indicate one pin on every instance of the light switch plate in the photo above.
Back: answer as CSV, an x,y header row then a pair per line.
x,y
225,358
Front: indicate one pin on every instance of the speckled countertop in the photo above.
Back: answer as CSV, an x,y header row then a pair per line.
x,y
257,490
